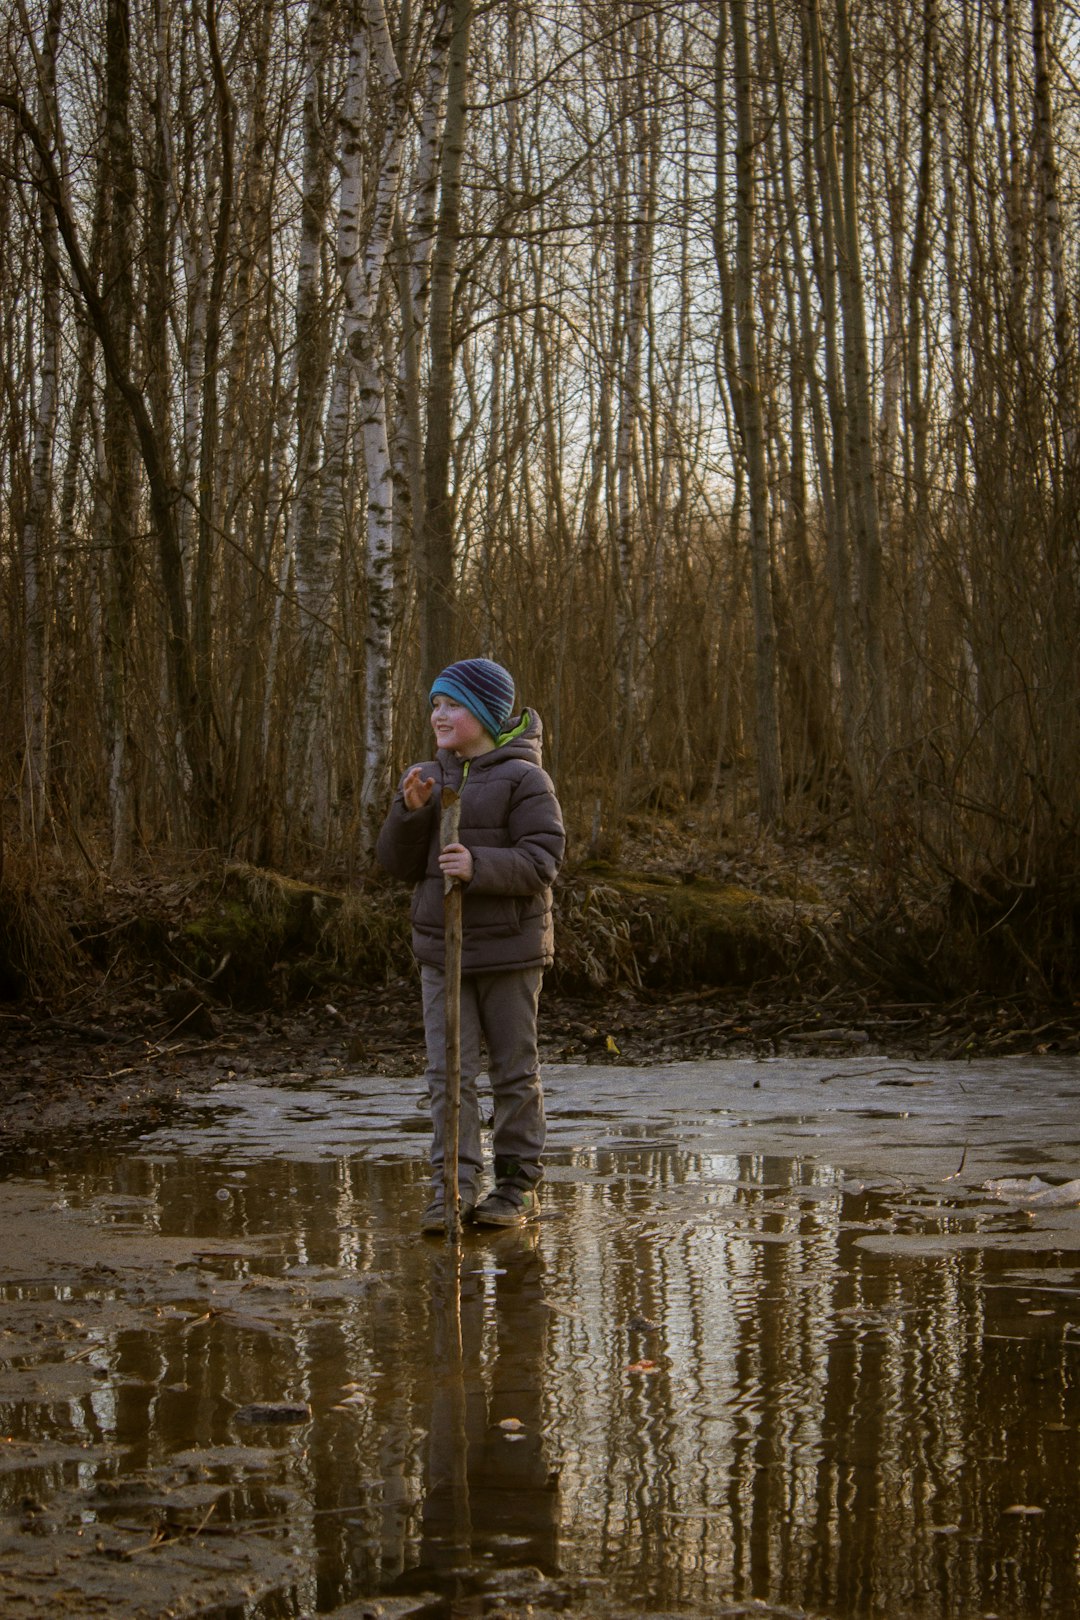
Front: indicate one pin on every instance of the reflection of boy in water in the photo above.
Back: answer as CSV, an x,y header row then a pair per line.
x,y
489,1488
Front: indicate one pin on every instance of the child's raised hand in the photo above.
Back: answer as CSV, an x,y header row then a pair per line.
x,y
416,790
456,862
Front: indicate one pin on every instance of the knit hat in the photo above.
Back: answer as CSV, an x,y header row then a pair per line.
x,y
481,686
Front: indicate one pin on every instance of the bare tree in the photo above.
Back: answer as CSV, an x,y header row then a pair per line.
x,y
38,518
436,549
746,388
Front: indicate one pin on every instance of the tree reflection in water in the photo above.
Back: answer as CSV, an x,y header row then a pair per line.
x,y
702,1379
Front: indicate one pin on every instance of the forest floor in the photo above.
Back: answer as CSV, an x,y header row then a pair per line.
x,y
125,1031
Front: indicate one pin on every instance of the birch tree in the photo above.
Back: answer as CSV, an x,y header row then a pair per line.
x,y
321,534
365,280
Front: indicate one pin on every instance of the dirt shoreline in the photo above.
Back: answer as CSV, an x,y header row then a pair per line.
x,y
119,1066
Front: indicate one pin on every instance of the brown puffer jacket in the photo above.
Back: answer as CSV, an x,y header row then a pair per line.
x,y
512,826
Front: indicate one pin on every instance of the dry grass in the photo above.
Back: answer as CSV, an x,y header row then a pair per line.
x,y
688,903
37,951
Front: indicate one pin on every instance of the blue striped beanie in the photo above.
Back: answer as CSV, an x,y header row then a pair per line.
x,y
481,686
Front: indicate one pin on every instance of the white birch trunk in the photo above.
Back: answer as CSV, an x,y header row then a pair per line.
x,y
362,263
379,579
363,287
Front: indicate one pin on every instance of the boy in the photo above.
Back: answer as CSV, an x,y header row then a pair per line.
x,y
511,847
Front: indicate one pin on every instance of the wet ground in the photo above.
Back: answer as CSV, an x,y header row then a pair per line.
x,y
792,1338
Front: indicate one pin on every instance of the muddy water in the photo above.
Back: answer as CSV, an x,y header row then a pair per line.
x,y
781,1338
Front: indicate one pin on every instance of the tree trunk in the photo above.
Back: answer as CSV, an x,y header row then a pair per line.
x,y
747,394
1049,225
210,519
311,362
319,544
919,505
366,349
38,517
119,465
415,244
833,458
867,525
436,582
641,161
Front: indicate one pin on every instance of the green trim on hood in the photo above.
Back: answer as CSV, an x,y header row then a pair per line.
x,y
522,726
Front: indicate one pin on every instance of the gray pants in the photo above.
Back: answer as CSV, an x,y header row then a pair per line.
x,y
500,1010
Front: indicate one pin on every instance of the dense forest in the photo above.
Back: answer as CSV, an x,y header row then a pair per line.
x,y
713,367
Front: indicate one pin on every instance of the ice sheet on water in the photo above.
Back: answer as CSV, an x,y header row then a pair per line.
x,y
1034,1190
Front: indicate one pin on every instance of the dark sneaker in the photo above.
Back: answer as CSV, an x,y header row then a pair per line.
x,y
433,1220
508,1205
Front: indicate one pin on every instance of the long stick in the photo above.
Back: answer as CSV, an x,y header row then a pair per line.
x,y
448,834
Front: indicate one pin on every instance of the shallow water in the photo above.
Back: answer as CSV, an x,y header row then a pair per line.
x,y
705,1378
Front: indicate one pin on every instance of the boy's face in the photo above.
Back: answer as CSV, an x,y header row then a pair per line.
x,y
457,728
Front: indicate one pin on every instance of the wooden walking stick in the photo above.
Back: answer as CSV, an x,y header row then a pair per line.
x,y
448,834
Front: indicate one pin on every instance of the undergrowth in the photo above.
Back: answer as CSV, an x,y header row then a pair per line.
x,y
681,908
